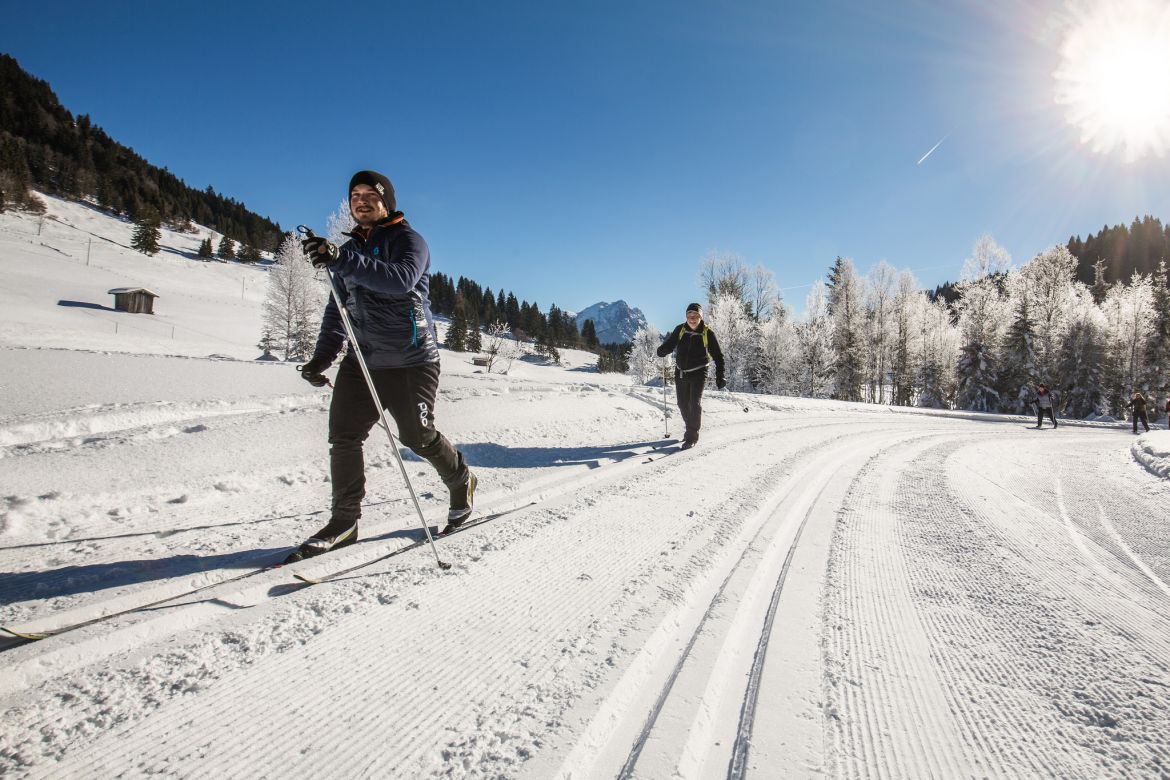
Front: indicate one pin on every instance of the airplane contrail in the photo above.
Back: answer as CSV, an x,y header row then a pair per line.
x,y
933,148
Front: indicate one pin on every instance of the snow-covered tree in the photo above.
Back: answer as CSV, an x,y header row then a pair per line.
x,y
1129,312
737,338
293,302
940,347
879,302
1081,365
1049,278
778,369
1157,368
814,341
1017,355
723,274
987,259
339,223
643,357
904,357
981,315
501,349
847,304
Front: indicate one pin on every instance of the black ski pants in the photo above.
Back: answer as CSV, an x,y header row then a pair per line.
x,y
408,394
1141,416
688,389
1040,416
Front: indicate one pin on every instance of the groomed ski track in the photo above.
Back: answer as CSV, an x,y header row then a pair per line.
x,y
817,589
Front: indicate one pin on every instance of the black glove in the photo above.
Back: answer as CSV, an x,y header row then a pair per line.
x,y
319,252
313,372
720,382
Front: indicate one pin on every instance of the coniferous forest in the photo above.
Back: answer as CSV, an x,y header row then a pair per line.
x,y
44,147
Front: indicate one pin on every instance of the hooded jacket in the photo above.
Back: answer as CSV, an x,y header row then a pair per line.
x,y
383,280
689,355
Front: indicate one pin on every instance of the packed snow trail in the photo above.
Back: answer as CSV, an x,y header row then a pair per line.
x,y
817,588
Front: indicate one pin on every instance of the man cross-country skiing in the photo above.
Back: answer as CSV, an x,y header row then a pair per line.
x,y
382,276
695,346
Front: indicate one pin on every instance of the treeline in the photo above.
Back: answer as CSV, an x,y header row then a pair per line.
x,y
1121,251
43,147
471,307
879,338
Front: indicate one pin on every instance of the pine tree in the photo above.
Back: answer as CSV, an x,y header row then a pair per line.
x,y
1157,359
474,340
249,254
147,234
589,335
456,340
1082,359
848,318
205,250
227,249
1017,375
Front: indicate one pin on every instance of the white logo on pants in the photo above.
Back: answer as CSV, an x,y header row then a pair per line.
x,y
423,412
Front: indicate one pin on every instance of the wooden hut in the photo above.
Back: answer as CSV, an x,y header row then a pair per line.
x,y
136,300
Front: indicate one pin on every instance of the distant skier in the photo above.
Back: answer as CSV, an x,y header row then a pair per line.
x,y
695,347
1043,402
383,278
1138,404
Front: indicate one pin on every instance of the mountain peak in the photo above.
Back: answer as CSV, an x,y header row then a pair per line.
x,y
615,323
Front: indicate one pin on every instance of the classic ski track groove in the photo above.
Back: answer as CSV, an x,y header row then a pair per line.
x,y
977,724
736,698
344,632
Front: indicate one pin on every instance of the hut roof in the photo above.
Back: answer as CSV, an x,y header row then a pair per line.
x,y
126,290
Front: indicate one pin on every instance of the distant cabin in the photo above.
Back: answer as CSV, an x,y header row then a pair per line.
x,y
136,300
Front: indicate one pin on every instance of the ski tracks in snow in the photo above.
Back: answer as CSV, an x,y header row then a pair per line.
x,y
981,623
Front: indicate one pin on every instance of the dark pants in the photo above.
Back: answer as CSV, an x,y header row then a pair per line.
x,y
1140,416
1040,412
688,388
408,394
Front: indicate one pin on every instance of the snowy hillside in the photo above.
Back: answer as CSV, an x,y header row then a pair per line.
x,y
819,588
615,323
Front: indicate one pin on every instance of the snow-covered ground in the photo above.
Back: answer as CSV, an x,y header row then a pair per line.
x,y
819,588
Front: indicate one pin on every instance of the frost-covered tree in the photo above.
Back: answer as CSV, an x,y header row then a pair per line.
x,y
1082,391
904,358
814,336
736,332
847,303
338,223
981,315
988,259
643,357
879,303
500,348
293,302
723,274
1129,312
778,369
1017,355
1157,368
763,295
1049,279
940,346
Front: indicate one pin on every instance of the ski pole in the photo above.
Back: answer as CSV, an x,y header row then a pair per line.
x,y
665,414
732,398
357,351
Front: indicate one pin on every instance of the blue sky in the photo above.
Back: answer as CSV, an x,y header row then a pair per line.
x,y
574,153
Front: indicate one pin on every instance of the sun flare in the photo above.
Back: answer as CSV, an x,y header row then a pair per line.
x,y
1114,76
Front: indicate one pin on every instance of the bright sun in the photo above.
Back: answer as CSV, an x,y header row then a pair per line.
x,y
1114,76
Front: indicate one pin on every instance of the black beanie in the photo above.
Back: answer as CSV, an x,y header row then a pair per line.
x,y
696,307
379,183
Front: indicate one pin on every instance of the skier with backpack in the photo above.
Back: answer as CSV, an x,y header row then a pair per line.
x,y
1138,404
382,277
695,348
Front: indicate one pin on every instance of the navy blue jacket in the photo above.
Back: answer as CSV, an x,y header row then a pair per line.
x,y
384,282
